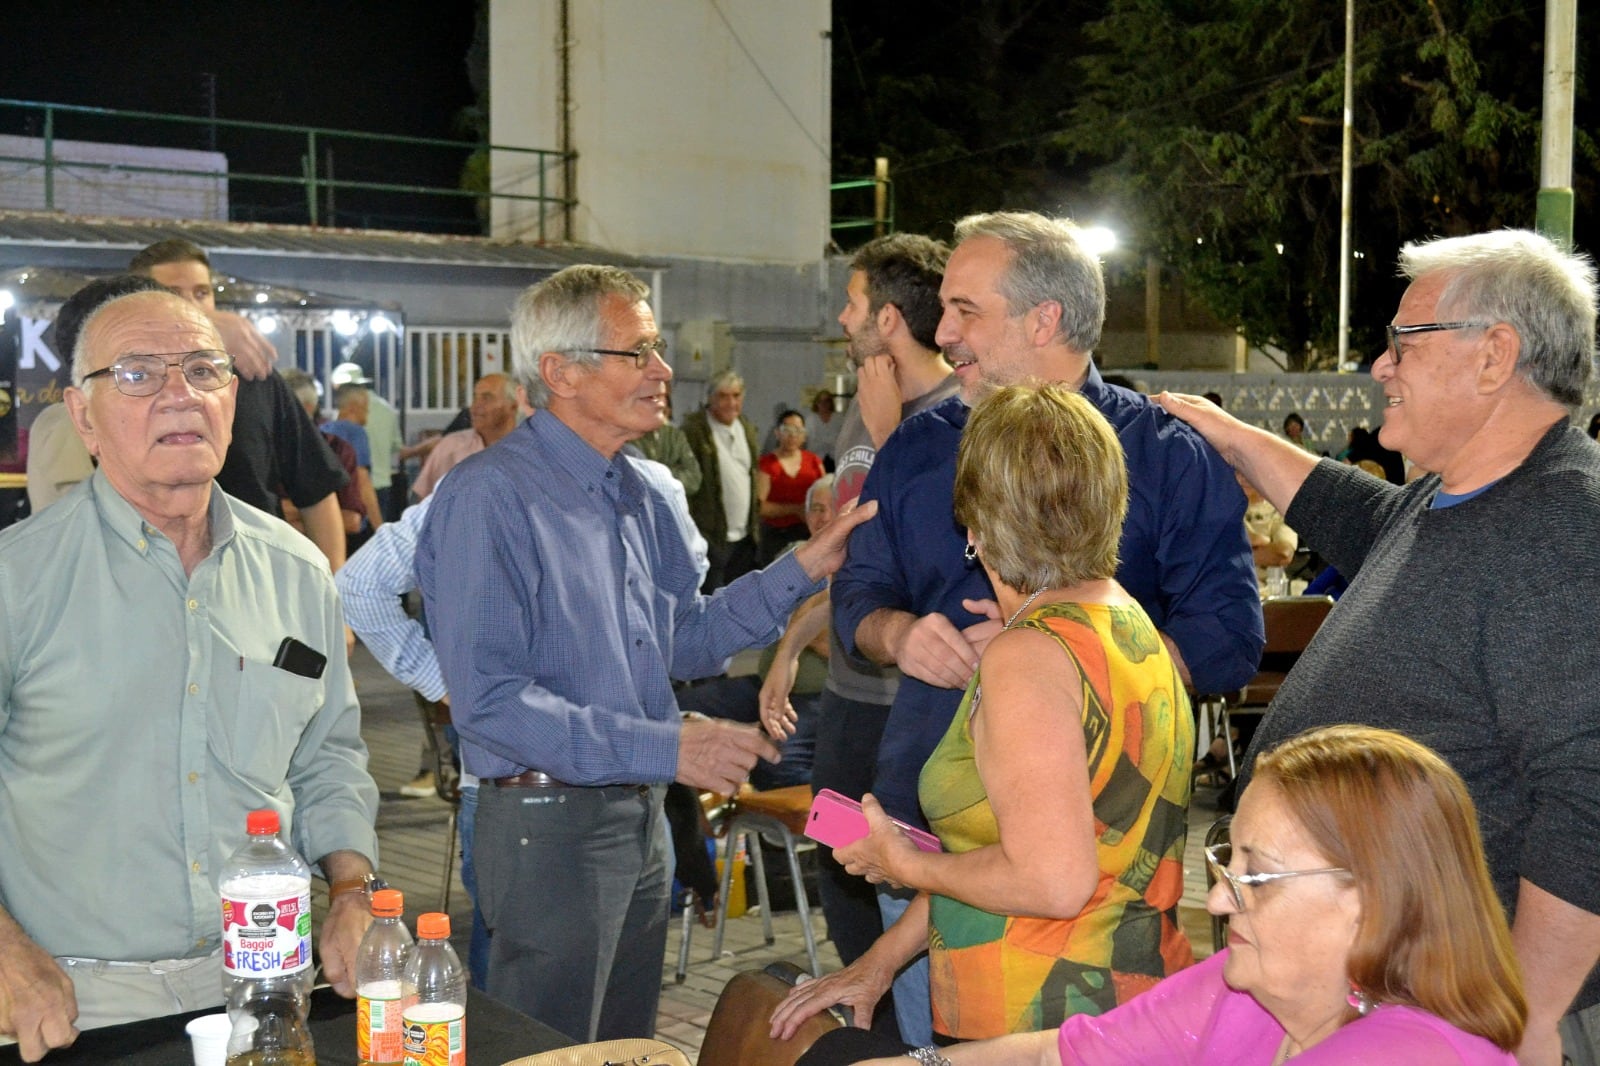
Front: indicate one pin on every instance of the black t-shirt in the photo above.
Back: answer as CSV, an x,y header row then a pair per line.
x,y
275,443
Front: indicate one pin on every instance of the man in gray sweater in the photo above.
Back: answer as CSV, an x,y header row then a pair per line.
x,y
1475,591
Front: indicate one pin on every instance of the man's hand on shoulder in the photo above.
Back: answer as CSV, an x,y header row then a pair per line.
x,y
37,1004
824,553
253,355
717,755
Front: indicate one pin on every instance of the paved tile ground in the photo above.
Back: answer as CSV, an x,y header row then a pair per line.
x,y
412,835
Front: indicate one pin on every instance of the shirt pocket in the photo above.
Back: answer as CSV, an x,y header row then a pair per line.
x,y
257,720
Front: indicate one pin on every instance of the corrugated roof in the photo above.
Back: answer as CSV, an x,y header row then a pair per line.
x,y
51,229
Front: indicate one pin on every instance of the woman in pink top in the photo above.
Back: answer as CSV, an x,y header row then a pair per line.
x,y
1362,927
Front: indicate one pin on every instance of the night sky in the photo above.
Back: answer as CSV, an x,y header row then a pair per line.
x,y
395,66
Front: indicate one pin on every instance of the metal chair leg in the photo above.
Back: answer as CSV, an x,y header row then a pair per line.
x,y
449,862
752,847
683,944
730,848
802,904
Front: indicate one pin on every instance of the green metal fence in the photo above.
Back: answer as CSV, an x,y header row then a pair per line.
x,y
867,191
306,154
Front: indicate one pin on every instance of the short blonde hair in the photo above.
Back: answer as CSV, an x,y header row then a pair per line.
x,y
1042,484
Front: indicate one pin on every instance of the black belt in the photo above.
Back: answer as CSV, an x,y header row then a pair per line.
x,y
540,779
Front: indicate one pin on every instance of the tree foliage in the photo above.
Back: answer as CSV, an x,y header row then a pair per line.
x,y
1216,128
962,96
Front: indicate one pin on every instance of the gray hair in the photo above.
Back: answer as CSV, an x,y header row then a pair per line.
x,y
508,387
562,314
822,484
1521,278
728,378
1048,263
303,385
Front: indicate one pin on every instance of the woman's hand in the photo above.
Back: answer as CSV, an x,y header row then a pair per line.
x,y
858,986
882,854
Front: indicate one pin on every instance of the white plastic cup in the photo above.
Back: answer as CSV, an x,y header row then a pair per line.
x,y
209,1036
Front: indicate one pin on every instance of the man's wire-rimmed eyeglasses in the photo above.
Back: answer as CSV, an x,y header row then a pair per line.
x,y
640,355
1218,857
1396,332
145,375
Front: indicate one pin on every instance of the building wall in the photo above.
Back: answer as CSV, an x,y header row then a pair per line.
x,y
89,178
701,129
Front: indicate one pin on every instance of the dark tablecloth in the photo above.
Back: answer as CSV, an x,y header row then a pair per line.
x,y
496,1033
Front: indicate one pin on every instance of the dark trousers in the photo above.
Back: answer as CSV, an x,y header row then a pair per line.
x,y
574,884
738,699
729,559
844,1046
848,732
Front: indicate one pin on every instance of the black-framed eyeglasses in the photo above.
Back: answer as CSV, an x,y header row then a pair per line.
x,y
1219,855
1396,332
144,375
640,355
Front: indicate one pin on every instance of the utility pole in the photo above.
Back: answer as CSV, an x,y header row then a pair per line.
x,y
1555,208
1345,168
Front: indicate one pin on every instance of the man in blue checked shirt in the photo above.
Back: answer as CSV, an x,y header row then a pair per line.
x,y
561,589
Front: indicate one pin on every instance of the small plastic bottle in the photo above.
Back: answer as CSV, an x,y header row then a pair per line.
x,y
380,965
435,991
266,914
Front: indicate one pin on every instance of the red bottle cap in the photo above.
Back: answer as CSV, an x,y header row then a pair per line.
x,y
433,926
388,903
261,823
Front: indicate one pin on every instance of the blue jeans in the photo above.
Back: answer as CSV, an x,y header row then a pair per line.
x,y
478,946
913,1002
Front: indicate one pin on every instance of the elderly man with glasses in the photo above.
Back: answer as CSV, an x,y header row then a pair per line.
x,y
560,574
1469,622
143,712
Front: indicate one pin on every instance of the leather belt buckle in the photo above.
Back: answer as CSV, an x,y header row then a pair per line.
x,y
530,779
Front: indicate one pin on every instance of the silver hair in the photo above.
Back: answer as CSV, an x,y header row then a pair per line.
x,y
562,314
1524,279
728,378
510,387
303,385
822,484
1048,263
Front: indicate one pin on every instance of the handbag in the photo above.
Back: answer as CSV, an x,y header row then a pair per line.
x,y
633,1052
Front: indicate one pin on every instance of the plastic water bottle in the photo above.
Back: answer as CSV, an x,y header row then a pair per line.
x,y
269,1027
380,966
266,915
435,991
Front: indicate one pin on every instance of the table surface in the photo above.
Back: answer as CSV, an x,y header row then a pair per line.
x,y
496,1034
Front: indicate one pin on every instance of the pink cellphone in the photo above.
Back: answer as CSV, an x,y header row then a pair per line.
x,y
837,820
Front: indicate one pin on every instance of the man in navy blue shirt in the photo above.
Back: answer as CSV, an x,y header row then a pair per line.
x,y
1024,300
561,584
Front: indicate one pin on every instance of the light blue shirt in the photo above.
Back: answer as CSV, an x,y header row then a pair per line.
x,y
562,592
141,718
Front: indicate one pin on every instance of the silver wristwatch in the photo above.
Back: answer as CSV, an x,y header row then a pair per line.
x,y
928,1056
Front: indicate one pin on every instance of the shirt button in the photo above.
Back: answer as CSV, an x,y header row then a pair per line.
x,y
200,943
196,869
194,689
193,777
638,643
194,605
141,544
